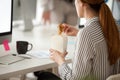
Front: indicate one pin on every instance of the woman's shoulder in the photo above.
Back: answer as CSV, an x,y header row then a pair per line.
x,y
93,32
84,32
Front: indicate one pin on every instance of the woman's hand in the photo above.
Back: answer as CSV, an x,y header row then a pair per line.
x,y
58,57
70,30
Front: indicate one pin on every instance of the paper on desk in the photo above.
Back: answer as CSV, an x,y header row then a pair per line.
x,y
40,54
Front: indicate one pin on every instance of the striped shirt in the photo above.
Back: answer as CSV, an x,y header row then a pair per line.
x,y
90,56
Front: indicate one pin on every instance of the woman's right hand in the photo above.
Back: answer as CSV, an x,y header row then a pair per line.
x,y
70,30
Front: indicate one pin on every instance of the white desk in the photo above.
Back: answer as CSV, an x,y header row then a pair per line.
x,y
25,66
39,37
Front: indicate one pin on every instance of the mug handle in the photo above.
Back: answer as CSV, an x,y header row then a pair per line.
x,y
31,46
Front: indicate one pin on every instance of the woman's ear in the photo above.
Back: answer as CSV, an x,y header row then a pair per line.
x,y
85,5
82,5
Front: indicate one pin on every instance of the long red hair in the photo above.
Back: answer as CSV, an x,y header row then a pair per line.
x,y
109,28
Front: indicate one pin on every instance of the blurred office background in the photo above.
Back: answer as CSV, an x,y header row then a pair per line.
x,y
24,12
28,13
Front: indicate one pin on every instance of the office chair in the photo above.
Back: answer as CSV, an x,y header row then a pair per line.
x,y
114,77
116,72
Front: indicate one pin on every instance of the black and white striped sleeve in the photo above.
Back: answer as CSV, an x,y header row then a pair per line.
x,y
82,60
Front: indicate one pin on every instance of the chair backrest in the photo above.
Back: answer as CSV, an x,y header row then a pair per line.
x,y
114,77
116,69
116,72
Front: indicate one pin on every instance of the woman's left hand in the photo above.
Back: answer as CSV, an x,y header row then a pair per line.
x,y
58,57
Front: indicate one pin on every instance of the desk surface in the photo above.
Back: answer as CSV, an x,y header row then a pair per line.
x,y
26,66
39,37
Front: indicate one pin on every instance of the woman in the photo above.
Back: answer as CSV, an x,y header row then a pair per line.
x,y
97,46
